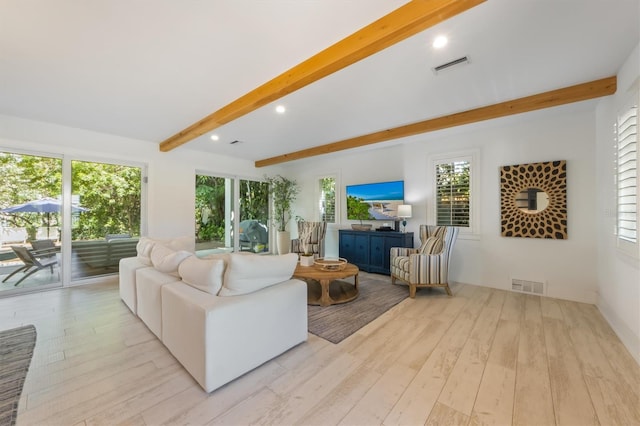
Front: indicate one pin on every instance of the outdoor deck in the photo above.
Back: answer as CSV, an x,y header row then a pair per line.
x,y
89,259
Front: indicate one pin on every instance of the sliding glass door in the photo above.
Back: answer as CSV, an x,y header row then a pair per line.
x,y
254,216
48,236
214,214
226,204
30,222
105,216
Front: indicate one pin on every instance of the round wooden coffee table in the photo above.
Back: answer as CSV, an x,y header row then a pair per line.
x,y
323,287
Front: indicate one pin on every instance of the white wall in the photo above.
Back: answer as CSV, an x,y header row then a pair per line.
x,y
567,266
377,165
171,188
563,133
618,282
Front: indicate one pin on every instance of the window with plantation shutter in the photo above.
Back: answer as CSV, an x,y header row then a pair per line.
x,y
626,134
453,192
327,201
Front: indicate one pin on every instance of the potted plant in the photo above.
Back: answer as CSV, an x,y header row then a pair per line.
x,y
283,192
306,257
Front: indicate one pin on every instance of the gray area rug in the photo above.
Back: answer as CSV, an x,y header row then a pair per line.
x,y
337,322
16,350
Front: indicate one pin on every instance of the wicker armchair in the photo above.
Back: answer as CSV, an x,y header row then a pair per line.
x,y
314,233
425,270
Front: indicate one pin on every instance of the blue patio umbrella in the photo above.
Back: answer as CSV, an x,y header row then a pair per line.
x,y
43,205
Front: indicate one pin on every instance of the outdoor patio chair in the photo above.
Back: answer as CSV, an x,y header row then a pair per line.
x,y
32,264
253,236
44,248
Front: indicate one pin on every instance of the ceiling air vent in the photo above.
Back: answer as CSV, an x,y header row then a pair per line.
x,y
463,60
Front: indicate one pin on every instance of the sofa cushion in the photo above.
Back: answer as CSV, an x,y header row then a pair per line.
x,y
143,249
145,245
432,245
149,282
127,281
203,274
249,273
167,260
219,256
186,243
218,339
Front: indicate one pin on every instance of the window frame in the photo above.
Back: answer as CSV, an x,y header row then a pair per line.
x,y
235,211
318,195
67,184
66,193
623,245
473,158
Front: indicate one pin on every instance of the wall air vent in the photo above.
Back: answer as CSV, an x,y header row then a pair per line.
x,y
463,60
524,286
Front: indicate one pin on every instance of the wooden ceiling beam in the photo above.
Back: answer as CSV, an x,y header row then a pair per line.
x,y
407,20
580,92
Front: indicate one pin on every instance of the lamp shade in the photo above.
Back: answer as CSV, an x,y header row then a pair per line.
x,y
404,210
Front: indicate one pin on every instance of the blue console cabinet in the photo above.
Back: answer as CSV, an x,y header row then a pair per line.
x,y
369,250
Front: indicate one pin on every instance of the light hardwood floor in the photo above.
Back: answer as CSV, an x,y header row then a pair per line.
x,y
483,356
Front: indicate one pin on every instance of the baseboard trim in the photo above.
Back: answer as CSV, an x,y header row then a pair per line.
x,y
624,333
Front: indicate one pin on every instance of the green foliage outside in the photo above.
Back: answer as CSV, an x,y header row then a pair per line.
x,y
358,209
210,196
328,188
210,205
26,178
111,192
254,201
453,195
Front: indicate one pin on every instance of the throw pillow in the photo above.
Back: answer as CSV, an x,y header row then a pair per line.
x,y
145,245
143,248
203,274
224,257
249,273
432,245
187,243
167,260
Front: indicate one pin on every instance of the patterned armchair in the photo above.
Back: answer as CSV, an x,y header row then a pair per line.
x,y
417,267
311,236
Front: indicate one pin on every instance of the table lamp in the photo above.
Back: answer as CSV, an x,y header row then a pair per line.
x,y
404,212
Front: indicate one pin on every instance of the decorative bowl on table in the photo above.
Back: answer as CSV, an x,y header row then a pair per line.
x,y
327,264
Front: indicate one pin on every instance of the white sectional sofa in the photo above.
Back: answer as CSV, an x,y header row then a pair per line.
x,y
220,316
129,266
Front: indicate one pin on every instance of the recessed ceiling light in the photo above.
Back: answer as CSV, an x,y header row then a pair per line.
x,y
440,42
215,137
280,109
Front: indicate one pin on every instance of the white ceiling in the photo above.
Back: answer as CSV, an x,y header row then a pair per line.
x,y
146,69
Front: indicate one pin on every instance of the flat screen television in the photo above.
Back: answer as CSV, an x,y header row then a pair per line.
x,y
375,201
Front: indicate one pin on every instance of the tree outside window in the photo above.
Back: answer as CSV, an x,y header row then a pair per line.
x,y
327,202
215,222
453,193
